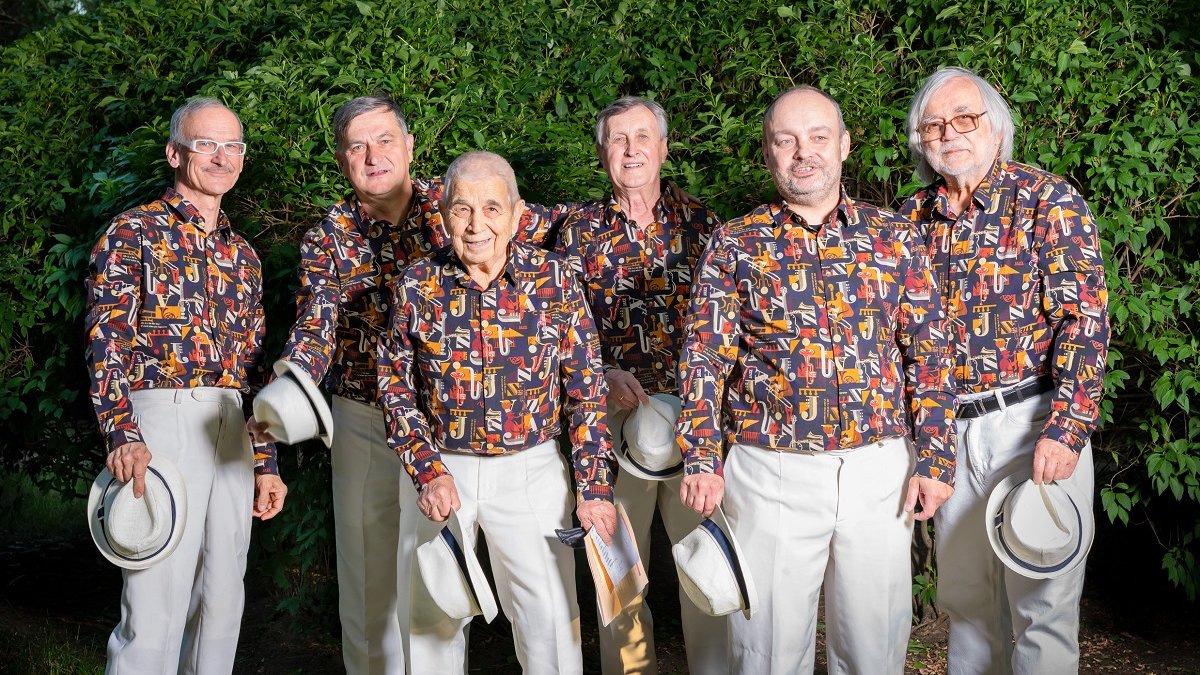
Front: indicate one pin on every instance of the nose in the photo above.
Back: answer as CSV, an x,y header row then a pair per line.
x,y
949,133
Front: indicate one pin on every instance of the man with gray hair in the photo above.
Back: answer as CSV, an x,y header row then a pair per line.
x,y
489,352
175,328
388,220
816,404
634,254
1016,255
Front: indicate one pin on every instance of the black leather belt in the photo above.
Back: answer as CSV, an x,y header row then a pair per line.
x,y
989,404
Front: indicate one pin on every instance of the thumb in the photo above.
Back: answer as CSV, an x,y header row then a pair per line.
x,y
914,491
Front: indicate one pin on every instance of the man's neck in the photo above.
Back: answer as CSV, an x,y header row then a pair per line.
x,y
959,192
639,204
393,208
815,214
209,206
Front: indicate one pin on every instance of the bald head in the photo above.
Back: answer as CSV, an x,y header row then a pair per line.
x,y
479,165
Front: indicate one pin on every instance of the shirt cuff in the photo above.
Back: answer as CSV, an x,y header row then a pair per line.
x,y
703,461
1065,430
118,437
930,466
266,460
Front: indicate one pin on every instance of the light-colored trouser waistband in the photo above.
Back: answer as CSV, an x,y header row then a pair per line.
x,y
205,394
549,447
883,442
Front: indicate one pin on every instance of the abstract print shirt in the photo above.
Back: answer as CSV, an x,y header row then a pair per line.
x,y
637,281
493,370
1024,289
171,307
806,338
345,264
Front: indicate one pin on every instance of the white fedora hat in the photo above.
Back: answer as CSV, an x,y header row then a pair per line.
x,y
293,407
645,444
1038,531
137,533
712,569
453,575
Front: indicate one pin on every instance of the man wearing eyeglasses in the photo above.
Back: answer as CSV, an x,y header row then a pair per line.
x,y
1016,254
175,328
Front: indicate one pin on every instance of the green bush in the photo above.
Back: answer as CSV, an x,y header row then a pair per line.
x,y
1104,92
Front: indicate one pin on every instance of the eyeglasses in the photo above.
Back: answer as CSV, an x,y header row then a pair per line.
x,y
965,123
207,146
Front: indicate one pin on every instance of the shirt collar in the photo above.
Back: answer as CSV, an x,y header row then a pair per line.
x,y
844,214
983,195
518,261
420,195
664,209
188,212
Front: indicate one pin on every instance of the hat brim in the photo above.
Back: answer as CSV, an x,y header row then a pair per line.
x,y
1085,521
106,486
481,598
284,367
739,561
628,465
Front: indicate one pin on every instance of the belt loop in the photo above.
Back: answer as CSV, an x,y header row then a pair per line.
x,y
179,394
999,394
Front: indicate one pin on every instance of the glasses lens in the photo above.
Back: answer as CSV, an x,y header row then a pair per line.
x,y
964,123
204,146
235,148
931,130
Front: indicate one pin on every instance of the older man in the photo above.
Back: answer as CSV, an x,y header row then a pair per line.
x,y
490,348
388,220
634,254
175,327
814,350
1016,255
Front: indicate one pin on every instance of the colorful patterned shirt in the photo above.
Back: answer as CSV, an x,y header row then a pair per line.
x,y
345,264
637,280
171,307
806,339
491,371
1024,288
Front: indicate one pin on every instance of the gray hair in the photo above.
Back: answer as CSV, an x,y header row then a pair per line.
x,y
998,112
477,164
195,105
803,87
361,106
625,104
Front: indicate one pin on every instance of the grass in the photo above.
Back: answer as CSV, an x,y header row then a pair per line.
x,y
41,648
28,512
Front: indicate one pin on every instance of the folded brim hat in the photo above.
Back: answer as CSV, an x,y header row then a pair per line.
x,y
138,533
453,575
1038,531
712,569
293,407
644,439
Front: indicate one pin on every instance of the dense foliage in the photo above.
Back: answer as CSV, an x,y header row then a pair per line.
x,y
1104,90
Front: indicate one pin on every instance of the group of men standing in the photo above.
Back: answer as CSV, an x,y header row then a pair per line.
x,y
822,351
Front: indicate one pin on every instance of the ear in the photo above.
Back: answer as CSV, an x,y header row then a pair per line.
x,y
173,158
845,145
665,148
600,156
408,143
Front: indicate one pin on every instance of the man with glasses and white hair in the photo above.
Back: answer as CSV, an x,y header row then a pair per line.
x,y
1016,254
634,254
175,328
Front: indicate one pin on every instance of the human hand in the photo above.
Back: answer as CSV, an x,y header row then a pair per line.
x,y
1053,461
600,515
702,492
624,390
258,432
269,493
929,492
128,462
438,498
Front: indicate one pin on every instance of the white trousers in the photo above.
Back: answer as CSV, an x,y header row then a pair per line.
x,y
369,487
627,644
986,602
518,501
183,614
832,519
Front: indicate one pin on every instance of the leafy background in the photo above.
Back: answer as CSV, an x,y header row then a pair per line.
x,y
1105,93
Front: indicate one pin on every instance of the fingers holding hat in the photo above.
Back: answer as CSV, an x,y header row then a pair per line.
x,y
702,492
624,390
1052,461
128,462
438,498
